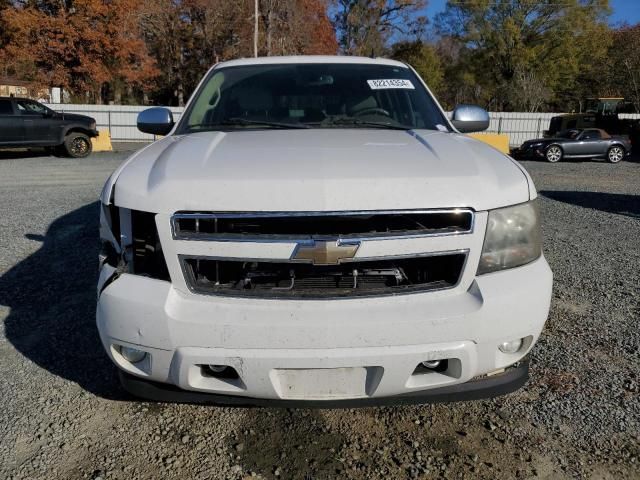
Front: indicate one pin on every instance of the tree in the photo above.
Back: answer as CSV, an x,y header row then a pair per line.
x,y
168,34
115,50
81,46
527,91
293,27
512,44
186,37
4,34
366,26
423,58
621,71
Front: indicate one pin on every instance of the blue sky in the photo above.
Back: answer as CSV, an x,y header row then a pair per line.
x,y
623,10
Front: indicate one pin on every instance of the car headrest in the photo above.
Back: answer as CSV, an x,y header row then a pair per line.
x,y
361,103
254,99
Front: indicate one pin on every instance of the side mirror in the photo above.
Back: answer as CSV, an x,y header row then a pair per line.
x,y
470,118
157,121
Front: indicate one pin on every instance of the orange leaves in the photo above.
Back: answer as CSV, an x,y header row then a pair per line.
x,y
320,31
90,47
78,48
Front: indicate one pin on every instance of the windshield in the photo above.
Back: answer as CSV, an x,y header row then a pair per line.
x,y
29,107
570,134
312,96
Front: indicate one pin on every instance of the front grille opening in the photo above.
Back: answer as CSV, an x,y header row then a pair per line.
x,y
275,279
148,258
294,226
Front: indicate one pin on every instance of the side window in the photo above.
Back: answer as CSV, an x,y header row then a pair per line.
x,y
591,135
27,107
5,107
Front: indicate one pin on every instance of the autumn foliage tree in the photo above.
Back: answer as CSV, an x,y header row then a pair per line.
x,y
293,27
152,51
4,36
504,54
83,46
186,37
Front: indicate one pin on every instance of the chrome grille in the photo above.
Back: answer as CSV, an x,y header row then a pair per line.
x,y
304,225
325,261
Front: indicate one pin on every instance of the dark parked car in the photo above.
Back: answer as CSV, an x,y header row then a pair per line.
x,y
587,143
27,123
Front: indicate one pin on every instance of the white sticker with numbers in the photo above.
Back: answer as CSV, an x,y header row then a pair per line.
x,y
390,83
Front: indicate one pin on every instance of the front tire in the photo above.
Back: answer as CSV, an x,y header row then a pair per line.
x,y
554,154
615,154
78,145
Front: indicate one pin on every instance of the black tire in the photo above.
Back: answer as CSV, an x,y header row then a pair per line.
x,y
77,145
554,153
615,153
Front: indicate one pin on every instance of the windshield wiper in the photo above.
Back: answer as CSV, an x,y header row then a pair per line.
x,y
364,123
266,123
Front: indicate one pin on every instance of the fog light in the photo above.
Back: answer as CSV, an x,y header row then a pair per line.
x,y
132,355
431,363
217,368
510,347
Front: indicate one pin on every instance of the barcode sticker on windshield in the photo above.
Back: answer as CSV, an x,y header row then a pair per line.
x,y
390,83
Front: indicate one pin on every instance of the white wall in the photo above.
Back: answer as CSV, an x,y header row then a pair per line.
x,y
121,120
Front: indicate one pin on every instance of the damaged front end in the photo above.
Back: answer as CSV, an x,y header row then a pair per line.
x,y
129,243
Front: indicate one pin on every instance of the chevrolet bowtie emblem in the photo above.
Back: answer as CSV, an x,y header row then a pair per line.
x,y
324,253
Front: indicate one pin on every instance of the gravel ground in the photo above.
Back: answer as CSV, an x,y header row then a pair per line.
x,y
64,416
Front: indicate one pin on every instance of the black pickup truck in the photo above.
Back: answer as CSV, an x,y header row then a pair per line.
x,y
27,123
576,143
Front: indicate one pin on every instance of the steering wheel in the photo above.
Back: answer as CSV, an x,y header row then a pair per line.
x,y
372,110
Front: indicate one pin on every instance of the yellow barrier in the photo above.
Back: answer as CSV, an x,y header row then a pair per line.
x,y
499,141
102,143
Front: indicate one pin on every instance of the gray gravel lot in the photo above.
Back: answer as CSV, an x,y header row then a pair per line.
x,y
64,416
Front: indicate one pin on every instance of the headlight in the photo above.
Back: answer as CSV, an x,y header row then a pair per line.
x,y
92,126
512,238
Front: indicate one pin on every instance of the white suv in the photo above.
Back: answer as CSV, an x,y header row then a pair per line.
x,y
315,231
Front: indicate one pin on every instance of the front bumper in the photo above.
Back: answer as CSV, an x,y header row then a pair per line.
x,y
532,153
476,389
355,351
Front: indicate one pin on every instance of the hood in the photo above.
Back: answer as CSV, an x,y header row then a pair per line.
x,y
75,117
542,140
317,170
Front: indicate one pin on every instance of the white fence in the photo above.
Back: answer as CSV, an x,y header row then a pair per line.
x,y
121,121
